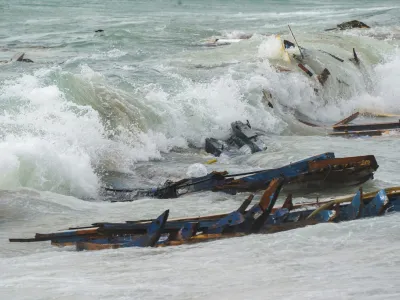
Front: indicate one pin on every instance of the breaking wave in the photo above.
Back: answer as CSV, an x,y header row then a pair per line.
x,y
61,131
369,86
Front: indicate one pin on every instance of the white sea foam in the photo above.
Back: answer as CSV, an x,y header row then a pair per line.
x,y
64,129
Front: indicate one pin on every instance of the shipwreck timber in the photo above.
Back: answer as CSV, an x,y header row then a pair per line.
x,y
307,175
263,217
344,127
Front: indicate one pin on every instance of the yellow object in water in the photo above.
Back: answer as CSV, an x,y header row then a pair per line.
x,y
285,54
211,161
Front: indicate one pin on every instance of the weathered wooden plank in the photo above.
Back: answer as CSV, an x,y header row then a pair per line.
x,y
359,133
355,207
153,234
371,126
361,161
347,119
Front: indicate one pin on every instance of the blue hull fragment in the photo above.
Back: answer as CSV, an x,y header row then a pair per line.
x,y
260,218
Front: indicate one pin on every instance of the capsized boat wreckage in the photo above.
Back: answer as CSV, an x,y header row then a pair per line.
x,y
345,127
309,62
309,175
243,140
311,66
348,129
262,217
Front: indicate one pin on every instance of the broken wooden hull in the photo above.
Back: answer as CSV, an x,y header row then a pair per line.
x,y
216,181
295,220
308,175
261,218
322,174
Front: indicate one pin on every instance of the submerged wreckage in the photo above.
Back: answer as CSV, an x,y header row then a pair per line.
x,y
243,140
223,41
349,25
345,127
308,175
19,57
263,217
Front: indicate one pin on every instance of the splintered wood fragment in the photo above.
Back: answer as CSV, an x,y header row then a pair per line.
x,y
334,56
18,57
323,77
307,71
348,119
364,127
355,58
267,97
359,133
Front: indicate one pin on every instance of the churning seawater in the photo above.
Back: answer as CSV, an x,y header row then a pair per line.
x,y
132,106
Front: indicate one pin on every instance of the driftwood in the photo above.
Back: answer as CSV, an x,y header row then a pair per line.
x,y
349,25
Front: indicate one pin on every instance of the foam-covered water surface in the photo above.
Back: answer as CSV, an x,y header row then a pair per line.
x,y
132,106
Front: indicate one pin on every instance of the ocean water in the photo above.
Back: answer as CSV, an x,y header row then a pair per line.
x,y
133,105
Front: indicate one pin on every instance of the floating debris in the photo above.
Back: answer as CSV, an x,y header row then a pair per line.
x,y
355,58
349,25
19,57
345,127
323,77
334,56
243,140
263,217
311,174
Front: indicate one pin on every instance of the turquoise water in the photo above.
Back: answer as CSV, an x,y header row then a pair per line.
x,y
133,105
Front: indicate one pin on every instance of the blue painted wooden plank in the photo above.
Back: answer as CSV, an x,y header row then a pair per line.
x,y
278,217
325,215
377,204
154,231
232,219
355,207
187,231
290,170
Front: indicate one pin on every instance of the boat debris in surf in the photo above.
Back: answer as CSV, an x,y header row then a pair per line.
x,y
311,174
261,218
216,42
243,140
305,59
223,41
349,25
19,57
345,127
